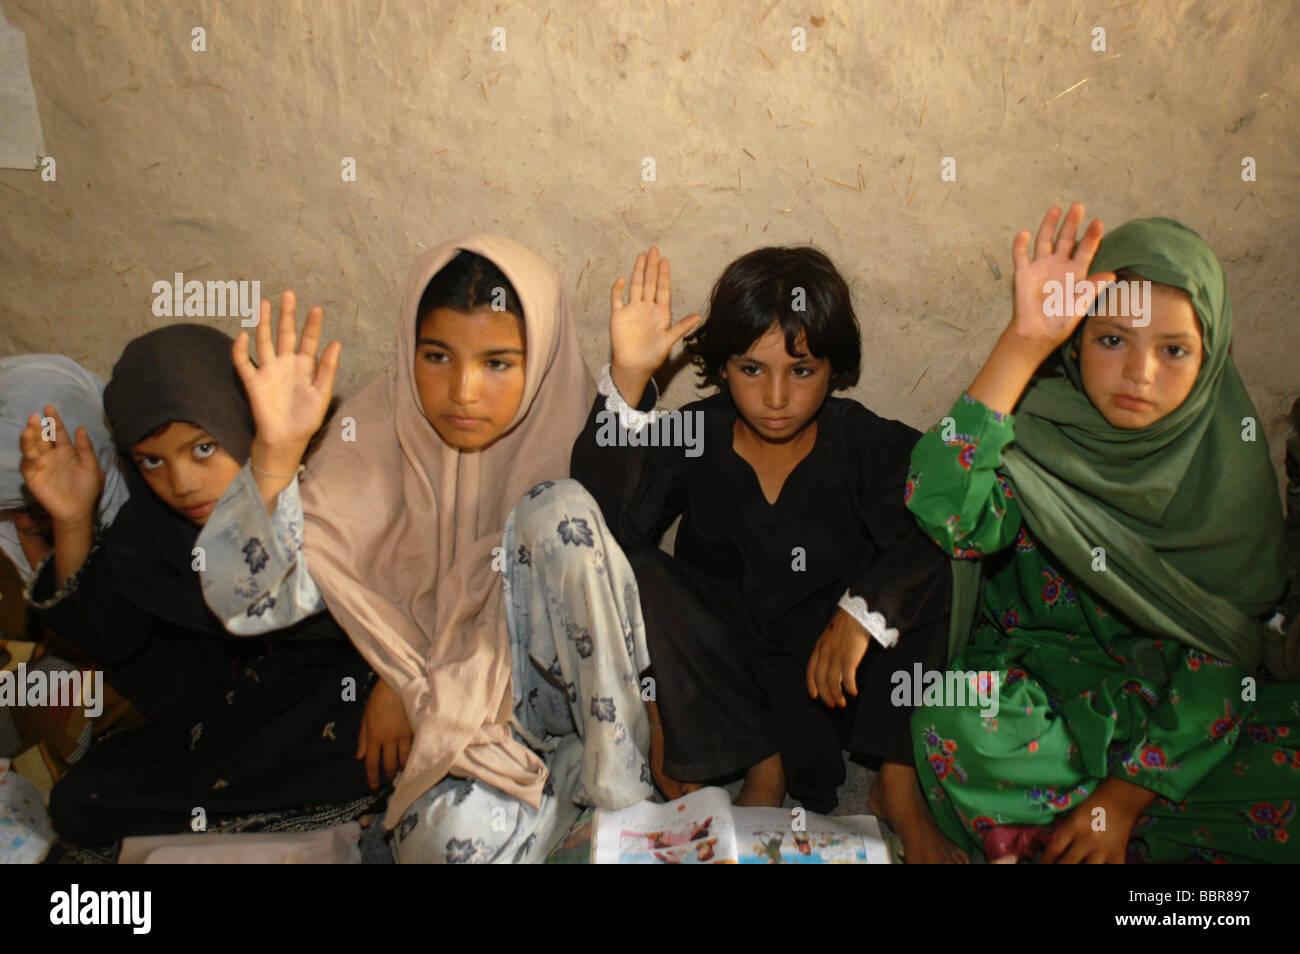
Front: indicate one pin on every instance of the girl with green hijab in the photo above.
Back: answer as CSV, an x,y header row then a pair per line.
x,y
1116,541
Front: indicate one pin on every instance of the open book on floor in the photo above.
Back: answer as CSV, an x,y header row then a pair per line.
x,y
705,828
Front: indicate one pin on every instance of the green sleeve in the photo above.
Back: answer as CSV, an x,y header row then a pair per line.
x,y
954,488
1193,728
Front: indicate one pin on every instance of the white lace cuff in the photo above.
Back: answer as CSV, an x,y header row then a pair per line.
x,y
872,621
629,418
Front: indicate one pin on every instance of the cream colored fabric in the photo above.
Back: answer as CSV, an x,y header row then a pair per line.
x,y
400,529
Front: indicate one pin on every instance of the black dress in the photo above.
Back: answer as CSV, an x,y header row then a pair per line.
x,y
241,726
733,616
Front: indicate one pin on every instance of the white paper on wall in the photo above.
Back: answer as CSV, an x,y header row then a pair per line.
x,y
21,140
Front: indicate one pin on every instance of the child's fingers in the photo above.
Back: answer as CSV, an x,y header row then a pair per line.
x,y
30,439
829,690
1087,247
1060,841
835,681
683,328
851,676
372,764
663,289
60,432
361,741
616,294
810,675
311,332
1069,231
263,333
1043,244
1093,287
651,275
328,368
288,323
1020,249
85,449
239,355
638,279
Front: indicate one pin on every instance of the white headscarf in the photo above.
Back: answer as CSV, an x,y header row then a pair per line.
x,y
28,382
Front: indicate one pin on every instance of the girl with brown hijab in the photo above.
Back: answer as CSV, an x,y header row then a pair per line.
x,y
475,579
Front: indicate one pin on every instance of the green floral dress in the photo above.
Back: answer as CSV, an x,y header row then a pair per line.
x,y
1219,745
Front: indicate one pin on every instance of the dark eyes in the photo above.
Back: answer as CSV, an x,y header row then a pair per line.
x,y
753,370
201,451
1114,341
441,357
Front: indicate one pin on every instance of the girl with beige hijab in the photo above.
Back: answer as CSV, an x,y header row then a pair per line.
x,y
481,585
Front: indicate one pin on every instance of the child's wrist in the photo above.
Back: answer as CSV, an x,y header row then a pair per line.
x,y
82,523
631,382
1124,798
1028,353
279,459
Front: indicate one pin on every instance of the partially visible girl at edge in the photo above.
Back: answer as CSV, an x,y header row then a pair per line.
x,y
479,582
1117,540
251,731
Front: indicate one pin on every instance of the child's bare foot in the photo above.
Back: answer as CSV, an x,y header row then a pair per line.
x,y
764,785
897,799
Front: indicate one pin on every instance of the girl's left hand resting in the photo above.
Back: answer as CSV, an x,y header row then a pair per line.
x,y
833,668
385,734
1098,831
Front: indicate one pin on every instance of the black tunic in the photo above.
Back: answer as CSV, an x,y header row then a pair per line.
x,y
241,726
733,616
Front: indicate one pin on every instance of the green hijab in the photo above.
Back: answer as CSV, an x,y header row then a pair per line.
x,y
1185,509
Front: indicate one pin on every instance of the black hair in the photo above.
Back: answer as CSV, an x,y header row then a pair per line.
x,y
467,283
767,285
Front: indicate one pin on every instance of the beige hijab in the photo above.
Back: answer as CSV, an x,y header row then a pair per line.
x,y
400,530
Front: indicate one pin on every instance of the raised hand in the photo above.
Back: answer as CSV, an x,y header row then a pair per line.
x,y
642,332
290,390
1044,315
63,475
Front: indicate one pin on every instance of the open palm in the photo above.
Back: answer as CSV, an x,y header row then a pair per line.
x,y
1044,315
642,332
290,389
63,475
